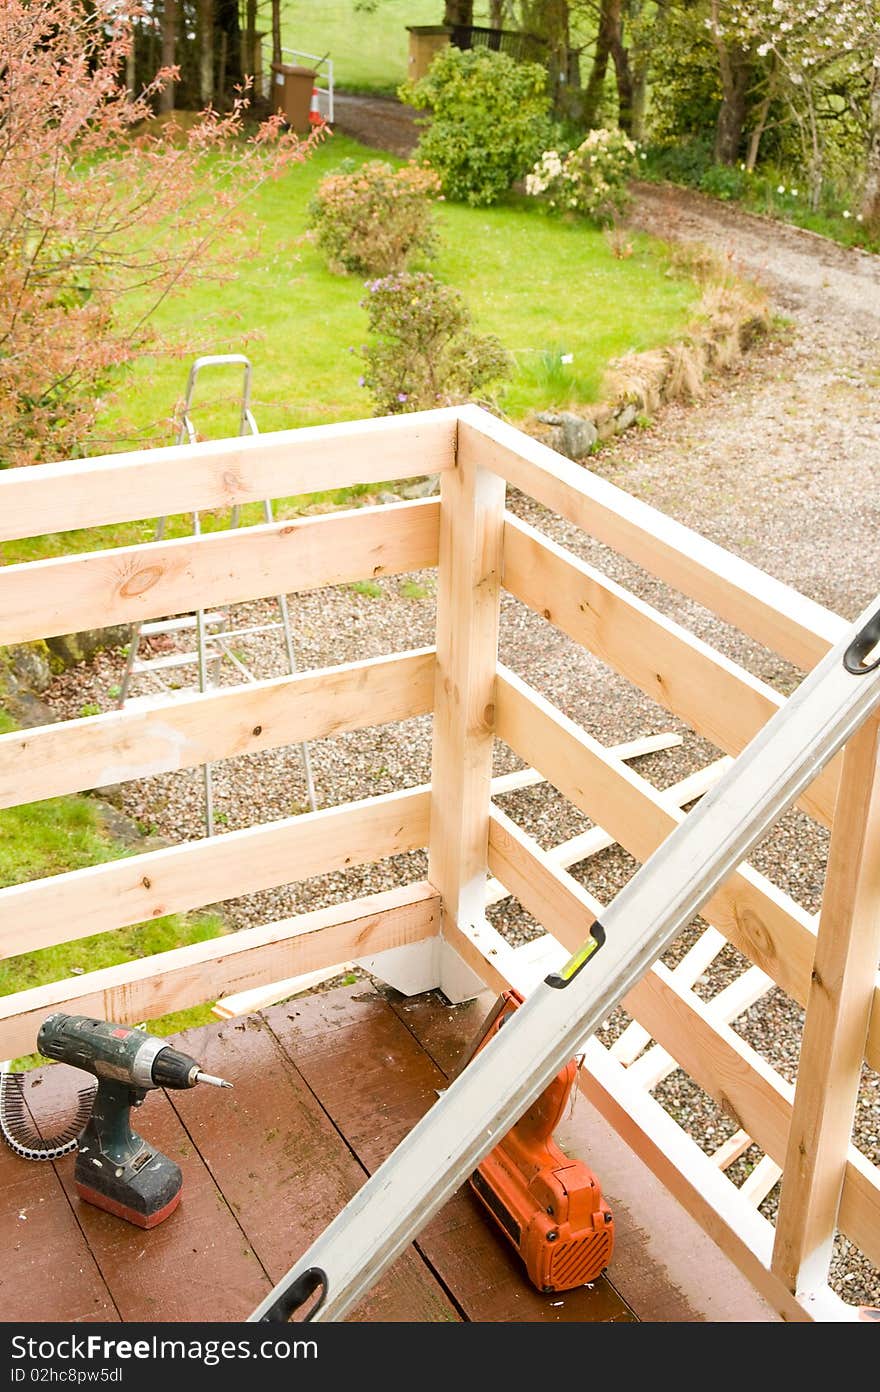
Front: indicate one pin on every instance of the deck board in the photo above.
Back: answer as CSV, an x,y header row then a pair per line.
x,y
349,1035
36,1223
324,1088
176,1264
282,1165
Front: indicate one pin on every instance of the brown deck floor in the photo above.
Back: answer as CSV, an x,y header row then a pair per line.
x,y
325,1087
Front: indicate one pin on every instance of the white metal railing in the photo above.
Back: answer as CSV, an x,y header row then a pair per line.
x,y
324,68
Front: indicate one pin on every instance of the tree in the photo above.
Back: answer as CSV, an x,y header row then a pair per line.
x,y
89,247
458,12
870,206
732,41
169,54
206,51
819,55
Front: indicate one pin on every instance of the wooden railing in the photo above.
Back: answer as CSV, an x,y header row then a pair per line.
x,y
826,962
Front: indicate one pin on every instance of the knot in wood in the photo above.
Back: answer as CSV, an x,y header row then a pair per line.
x,y
141,581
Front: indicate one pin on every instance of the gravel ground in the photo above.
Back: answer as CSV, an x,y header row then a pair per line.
x,y
777,464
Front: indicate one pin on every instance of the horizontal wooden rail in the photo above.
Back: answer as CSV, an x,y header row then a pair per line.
x,y
718,699
750,911
101,897
748,1089
221,474
735,1075
186,976
773,613
754,914
196,729
545,890
131,583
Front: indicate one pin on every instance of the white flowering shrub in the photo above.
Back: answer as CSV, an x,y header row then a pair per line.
x,y
591,180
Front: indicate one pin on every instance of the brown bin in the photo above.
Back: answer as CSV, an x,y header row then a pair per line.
x,y
292,94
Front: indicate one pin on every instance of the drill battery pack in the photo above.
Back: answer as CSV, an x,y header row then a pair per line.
x,y
548,1206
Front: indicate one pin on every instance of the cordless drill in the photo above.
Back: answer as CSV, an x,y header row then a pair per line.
x,y
116,1169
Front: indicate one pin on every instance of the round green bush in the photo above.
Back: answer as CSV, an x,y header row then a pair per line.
x,y
490,120
372,218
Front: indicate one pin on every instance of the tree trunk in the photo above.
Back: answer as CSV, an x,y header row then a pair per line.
x,y
496,14
458,12
870,207
249,56
604,48
276,31
760,126
206,51
734,90
131,64
639,99
169,50
226,20
624,75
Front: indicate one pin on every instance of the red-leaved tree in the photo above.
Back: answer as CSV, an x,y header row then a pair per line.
x,y
102,214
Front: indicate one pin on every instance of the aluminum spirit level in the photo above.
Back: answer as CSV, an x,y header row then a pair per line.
x,y
517,1065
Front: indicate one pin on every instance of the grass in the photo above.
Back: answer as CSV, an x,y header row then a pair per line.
x,y
47,838
547,288
369,50
411,589
370,589
527,276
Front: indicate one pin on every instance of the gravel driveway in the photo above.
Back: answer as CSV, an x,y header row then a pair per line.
x,y
778,464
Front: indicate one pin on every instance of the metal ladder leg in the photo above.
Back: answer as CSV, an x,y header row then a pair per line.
x,y
292,664
205,656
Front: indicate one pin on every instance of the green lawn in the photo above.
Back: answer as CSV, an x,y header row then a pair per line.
x,y
544,286
369,51
547,288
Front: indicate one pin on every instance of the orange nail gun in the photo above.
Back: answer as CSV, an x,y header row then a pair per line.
x,y
550,1207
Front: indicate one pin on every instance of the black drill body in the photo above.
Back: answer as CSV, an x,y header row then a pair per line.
x,y
116,1169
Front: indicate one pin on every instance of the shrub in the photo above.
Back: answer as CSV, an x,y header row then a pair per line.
x,y
724,181
422,351
372,219
590,179
490,120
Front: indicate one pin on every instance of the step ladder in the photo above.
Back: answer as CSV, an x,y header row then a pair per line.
x,y
212,631
568,1006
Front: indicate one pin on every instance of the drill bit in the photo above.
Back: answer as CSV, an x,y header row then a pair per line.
x,y
209,1078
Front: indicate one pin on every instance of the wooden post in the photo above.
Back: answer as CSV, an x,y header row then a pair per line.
x,y
471,549
836,1025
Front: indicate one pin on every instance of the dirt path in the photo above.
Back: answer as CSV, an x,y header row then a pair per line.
x,y
782,455
378,122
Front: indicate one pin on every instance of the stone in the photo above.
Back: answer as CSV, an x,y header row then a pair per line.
x,y
71,648
423,488
549,417
21,703
626,417
578,435
30,663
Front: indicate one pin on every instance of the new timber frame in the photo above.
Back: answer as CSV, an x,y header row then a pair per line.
x,y
435,932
